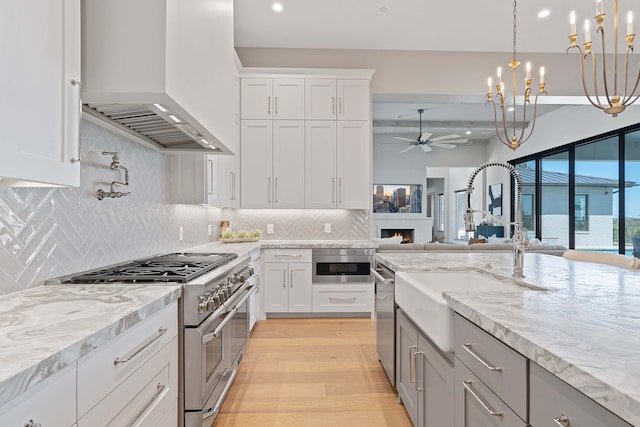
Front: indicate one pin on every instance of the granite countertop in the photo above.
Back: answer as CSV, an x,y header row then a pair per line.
x,y
44,329
585,328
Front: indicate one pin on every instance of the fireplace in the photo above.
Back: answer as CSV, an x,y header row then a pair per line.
x,y
406,233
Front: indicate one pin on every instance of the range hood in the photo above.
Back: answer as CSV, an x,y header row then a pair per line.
x,y
163,71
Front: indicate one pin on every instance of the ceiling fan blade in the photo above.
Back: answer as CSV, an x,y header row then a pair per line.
x,y
442,138
407,149
441,145
404,139
425,136
425,148
454,141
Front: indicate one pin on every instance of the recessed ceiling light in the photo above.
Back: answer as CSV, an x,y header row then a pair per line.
x,y
277,7
383,9
402,117
511,109
468,132
544,13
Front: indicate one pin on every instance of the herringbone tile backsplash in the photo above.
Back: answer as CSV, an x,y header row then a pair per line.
x,y
294,224
46,232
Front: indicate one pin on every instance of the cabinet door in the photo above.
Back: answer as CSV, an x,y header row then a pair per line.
x,y
288,164
256,98
229,181
435,380
192,178
256,161
288,99
300,290
354,165
276,292
320,99
354,100
406,347
320,165
39,85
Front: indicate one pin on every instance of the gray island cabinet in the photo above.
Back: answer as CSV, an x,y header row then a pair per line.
x,y
424,376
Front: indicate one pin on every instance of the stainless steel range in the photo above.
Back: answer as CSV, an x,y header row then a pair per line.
x,y
214,320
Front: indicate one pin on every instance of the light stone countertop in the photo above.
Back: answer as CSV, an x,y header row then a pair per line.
x,y
244,248
585,328
44,329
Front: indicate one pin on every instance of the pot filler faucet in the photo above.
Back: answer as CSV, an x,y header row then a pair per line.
x,y
520,239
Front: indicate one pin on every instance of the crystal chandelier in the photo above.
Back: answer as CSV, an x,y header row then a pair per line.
x,y
615,103
519,134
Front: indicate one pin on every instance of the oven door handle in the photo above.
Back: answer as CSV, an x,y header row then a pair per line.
x,y
211,335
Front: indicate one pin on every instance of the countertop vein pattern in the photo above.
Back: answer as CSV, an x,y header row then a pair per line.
x,y
44,329
585,328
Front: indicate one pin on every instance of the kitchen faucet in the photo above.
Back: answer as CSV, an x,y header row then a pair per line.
x,y
115,165
520,239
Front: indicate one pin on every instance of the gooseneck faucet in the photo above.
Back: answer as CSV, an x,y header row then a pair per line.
x,y
520,239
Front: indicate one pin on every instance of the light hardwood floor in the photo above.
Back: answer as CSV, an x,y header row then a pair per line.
x,y
312,372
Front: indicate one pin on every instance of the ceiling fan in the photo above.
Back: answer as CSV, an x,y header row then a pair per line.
x,y
425,141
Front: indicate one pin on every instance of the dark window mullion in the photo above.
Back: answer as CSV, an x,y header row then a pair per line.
x,y
538,199
572,197
621,194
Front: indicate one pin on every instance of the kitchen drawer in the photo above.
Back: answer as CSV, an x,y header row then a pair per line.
x,y
98,373
50,403
287,255
501,368
351,298
476,405
144,397
551,398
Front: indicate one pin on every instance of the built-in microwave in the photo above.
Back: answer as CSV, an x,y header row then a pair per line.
x,y
341,265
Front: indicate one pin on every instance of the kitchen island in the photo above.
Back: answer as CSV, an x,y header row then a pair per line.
x,y
584,329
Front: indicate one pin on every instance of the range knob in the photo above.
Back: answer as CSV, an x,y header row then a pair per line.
x,y
202,304
236,278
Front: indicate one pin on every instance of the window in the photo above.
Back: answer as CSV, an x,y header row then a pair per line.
x,y
582,212
461,209
528,212
439,222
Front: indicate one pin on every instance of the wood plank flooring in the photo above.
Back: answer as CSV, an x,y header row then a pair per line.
x,y
312,373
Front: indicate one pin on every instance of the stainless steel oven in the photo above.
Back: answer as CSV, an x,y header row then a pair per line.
x,y
209,372
337,265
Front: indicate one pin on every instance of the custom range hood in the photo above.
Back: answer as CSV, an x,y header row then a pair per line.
x,y
163,71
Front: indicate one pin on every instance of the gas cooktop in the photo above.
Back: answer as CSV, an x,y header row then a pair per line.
x,y
176,267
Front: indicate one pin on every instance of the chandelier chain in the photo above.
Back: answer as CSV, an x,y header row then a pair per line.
x,y
515,27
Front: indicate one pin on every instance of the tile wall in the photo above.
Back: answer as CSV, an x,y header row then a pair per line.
x,y
49,232
295,224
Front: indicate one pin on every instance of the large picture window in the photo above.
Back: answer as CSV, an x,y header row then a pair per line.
x,y
582,212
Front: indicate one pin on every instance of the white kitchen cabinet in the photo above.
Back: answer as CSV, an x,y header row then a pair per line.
x,y
272,164
341,99
229,181
40,89
264,98
425,377
194,179
343,297
287,281
338,164
135,362
50,403
255,300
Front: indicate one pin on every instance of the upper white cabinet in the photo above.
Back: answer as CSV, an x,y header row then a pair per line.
x,y
179,54
194,179
337,99
272,164
40,90
263,98
338,164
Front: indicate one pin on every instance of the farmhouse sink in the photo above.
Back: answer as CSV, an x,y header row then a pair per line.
x,y
420,296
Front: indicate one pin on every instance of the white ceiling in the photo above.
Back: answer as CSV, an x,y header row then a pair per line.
x,y
421,25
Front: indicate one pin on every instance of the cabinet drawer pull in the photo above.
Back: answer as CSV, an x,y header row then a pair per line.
x,y
467,386
412,360
77,84
31,423
269,105
562,421
210,177
342,299
467,347
140,347
288,255
159,391
333,105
